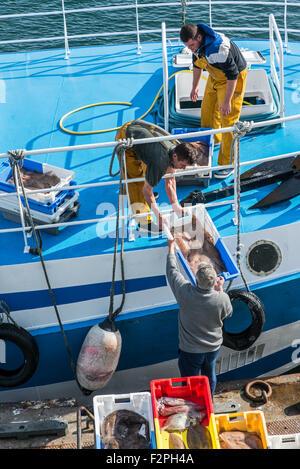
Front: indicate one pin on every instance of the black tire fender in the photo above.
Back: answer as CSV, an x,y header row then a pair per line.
x,y
28,346
244,339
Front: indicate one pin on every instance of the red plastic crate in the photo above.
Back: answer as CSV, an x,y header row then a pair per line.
x,y
193,388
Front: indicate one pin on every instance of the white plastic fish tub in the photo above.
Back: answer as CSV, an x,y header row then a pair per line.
x,y
65,176
291,441
204,221
257,86
139,402
10,206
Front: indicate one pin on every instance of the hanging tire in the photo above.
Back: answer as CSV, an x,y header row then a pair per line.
x,y
28,346
246,338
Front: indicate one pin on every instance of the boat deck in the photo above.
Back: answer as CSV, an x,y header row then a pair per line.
x,y
38,88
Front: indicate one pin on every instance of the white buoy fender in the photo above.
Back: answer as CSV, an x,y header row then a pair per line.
x,y
99,356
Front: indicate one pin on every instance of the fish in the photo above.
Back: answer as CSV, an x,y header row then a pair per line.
x,y
165,400
177,409
178,422
197,245
198,437
125,429
175,442
36,180
239,440
183,245
194,258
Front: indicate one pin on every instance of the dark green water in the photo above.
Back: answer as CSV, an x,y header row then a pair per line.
x,y
122,19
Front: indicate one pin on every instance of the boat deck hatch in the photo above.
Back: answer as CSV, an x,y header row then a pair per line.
x,y
258,95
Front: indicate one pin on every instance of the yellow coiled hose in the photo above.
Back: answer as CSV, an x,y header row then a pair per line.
x,y
110,103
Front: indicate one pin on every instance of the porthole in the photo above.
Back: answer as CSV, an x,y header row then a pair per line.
x,y
263,257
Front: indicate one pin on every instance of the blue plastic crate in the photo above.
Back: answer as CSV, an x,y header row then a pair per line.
x,y
205,222
47,204
231,272
206,138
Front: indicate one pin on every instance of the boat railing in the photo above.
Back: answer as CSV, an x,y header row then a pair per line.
x,y
130,216
279,58
136,6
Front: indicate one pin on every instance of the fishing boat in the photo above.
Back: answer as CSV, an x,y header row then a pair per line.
x,y
63,108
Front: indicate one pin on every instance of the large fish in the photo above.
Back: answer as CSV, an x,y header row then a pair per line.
x,y
37,180
125,429
239,440
198,437
175,442
197,245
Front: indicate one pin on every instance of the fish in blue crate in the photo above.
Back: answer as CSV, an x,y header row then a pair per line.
x,y
194,237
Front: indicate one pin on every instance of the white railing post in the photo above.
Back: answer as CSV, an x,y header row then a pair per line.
x,y
279,57
210,14
285,28
139,47
165,76
67,50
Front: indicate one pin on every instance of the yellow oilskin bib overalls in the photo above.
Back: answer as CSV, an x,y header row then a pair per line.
x,y
214,96
135,169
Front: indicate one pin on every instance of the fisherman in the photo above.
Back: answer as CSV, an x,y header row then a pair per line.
x,y
202,310
225,87
153,161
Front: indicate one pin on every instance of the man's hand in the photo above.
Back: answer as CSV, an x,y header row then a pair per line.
x,y
194,94
178,210
225,108
219,284
171,244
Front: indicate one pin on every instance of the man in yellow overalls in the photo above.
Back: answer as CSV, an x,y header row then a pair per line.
x,y
225,88
152,161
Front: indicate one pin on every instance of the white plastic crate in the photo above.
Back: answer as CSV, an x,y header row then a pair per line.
x,y
257,86
65,176
11,204
140,403
291,441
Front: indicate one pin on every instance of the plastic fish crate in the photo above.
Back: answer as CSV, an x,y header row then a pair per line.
x,y
193,388
44,200
69,209
48,208
291,441
204,222
139,402
209,140
251,421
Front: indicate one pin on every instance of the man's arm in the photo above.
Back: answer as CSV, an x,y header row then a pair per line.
x,y
225,107
175,278
170,184
150,199
196,80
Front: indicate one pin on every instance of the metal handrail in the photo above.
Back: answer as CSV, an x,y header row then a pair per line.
x,y
136,142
